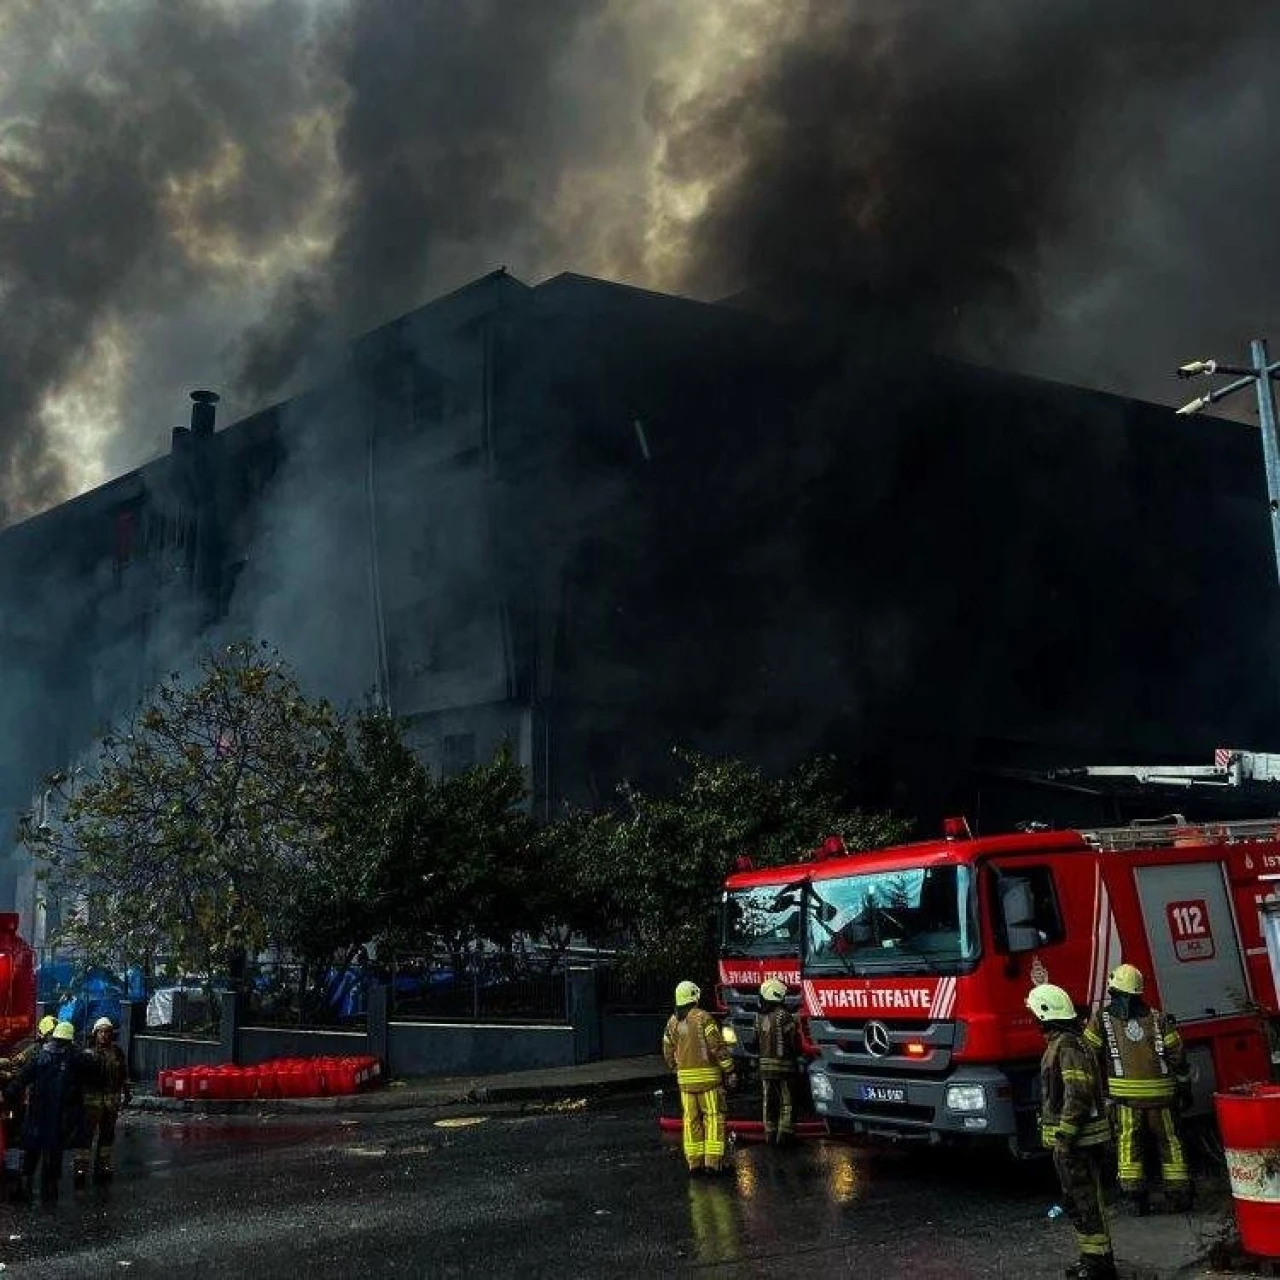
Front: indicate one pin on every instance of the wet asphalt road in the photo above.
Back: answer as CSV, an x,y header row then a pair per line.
x,y
574,1192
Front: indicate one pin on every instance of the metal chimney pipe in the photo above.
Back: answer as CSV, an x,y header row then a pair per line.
x,y
203,412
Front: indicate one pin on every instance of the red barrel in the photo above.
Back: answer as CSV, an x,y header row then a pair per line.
x,y
1249,1118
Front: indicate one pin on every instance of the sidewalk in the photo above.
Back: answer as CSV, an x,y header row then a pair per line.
x,y
588,1079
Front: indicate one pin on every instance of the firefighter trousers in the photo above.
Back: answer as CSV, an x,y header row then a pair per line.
x,y
704,1128
99,1124
1079,1172
777,1107
1134,1127
47,1161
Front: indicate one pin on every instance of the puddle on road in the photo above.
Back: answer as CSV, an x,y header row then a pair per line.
x,y
459,1122
757,1206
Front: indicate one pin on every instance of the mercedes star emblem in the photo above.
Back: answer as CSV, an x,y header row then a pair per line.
x,y
876,1037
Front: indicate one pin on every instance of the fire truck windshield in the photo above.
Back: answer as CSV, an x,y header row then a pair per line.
x,y
892,920
763,921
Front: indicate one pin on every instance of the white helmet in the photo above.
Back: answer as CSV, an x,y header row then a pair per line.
x,y
103,1024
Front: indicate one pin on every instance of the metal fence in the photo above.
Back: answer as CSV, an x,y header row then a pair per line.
x,y
504,987
290,994
622,991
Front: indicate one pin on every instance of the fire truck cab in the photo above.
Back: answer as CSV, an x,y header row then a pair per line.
x,y
916,961
760,924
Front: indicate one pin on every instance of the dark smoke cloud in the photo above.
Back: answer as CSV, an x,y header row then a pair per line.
x,y
216,190
1092,173
136,147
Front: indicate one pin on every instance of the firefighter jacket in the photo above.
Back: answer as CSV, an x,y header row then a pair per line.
x,y
55,1105
776,1041
10,1067
108,1080
1072,1109
1141,1052
693,1049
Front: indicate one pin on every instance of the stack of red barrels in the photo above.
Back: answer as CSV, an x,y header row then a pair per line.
x,y
278,1078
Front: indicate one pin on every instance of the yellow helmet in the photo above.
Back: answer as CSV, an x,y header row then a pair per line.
x,y
64,1031
687,993
46,1025
1127,979
774,990
1051,1004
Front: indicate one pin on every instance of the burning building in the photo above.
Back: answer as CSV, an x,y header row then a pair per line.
x,y
596,522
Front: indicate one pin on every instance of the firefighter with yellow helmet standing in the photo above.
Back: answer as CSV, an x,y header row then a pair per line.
x,y
105,1093
1074,1126
776,1040
694,1050
1147,1079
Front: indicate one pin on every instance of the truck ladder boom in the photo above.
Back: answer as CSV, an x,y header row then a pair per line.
x,y
1230,768
1147,836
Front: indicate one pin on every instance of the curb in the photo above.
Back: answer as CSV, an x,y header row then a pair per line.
x,y
407,1098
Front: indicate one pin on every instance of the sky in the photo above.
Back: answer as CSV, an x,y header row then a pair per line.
x,y
215,192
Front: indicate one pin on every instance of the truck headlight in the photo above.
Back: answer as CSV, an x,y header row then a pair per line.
x,y
966,1097
820,1087
728,1034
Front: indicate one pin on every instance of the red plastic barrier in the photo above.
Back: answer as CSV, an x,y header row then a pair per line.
x,y
278,1078
1249,1118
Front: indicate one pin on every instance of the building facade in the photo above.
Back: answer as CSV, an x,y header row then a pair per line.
x,y
595,523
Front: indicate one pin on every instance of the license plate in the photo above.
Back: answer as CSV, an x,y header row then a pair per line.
x,y
882,1093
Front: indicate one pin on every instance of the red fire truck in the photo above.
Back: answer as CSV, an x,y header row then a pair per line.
x,y
17,1015
916,960
759,938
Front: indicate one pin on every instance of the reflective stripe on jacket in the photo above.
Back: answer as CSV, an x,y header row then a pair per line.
x,y
694,1050
1143,1056
1071,1104
776,1042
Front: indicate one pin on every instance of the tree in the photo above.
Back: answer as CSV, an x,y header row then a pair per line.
x,y
183,839
666,857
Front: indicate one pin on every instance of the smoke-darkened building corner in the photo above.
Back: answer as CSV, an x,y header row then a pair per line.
x,y
594,522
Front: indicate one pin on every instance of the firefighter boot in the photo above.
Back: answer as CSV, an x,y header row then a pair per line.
x,y
1093,1267
1136,1203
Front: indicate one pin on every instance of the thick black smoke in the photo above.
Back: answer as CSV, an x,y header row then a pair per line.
x,y
211,190
1083,184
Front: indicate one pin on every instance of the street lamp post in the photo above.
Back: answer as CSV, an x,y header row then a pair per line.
x,y
1259,375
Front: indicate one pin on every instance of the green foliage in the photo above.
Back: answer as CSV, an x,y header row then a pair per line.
x,y
188,830
664,858
232,813
410,860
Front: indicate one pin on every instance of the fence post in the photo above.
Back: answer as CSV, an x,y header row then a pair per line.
x,y
377,1027
133,1019
583,1001
233,1003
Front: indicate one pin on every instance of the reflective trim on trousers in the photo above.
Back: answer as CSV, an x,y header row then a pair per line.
x,y
704,1130
1135,1124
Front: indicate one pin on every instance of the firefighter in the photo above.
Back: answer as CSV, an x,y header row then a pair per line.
x,y
106,1092
10,1067
693,1049
55,1077
776,1036
1074,1126
1147,1080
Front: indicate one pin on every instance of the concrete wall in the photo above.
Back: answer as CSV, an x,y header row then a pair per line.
x,y
455,1049
406,1048
260,1044
149,1055
628,1035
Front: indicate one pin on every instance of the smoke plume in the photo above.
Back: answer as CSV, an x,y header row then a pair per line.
x,y
214,191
